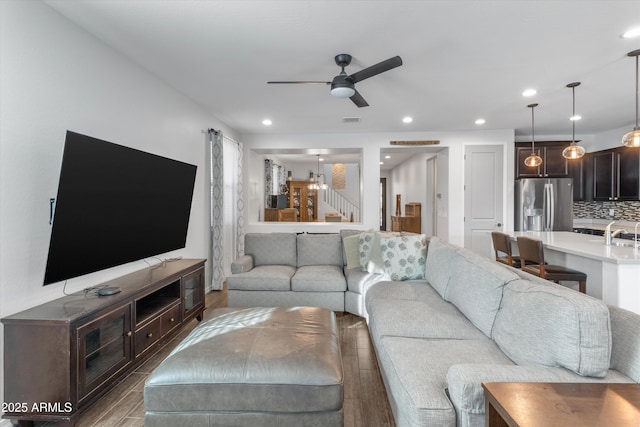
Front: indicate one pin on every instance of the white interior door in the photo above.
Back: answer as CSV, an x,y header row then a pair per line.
x,y
483,196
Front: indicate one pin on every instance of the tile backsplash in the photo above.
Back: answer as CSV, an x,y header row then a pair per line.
x,y
627,211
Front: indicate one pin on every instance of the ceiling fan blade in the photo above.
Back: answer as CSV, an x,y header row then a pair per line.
x,y
378,68
303,82
359,100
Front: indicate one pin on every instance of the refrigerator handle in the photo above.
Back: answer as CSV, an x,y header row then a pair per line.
x,y
547,207
552,207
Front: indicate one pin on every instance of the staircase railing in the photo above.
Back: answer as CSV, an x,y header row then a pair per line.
x,y
341,204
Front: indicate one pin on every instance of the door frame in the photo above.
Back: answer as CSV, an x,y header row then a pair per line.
x,y
496,223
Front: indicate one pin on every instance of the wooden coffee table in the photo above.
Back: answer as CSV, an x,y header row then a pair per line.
x,y
561,404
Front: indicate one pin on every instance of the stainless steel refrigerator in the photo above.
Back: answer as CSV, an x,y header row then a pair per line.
x,y
544,204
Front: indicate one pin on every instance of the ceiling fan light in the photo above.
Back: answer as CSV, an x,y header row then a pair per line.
x,y
573,151
533,160
342,92
632,139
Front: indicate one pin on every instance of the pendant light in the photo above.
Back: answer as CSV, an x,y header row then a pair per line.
x,y
533,160
573,151
317,182
632,139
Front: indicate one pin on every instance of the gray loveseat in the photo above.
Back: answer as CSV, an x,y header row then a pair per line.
x,y
288,269
473,320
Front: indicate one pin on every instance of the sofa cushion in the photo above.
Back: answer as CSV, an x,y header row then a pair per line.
x,y
319,249
359,281
416,375
404,257
440,257
271,248
319,278
551,325
263,277
418,312
475,287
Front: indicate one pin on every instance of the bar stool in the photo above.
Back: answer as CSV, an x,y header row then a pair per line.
x,y
531,250
501,244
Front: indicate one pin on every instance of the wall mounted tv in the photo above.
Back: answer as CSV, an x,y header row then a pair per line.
x,y
115,205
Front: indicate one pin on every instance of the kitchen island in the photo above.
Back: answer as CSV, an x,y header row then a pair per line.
x,y
613,272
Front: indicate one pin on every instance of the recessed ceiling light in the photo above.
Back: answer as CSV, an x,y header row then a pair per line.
x,y
387,156
320,159
575,118
481,121
631,34
267,122
529,92
407,119
382,163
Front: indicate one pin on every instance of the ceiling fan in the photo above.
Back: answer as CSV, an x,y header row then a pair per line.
x,y
343,85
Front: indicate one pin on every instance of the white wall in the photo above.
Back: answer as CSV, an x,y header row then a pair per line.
x,y
609,139
54,77
450,171
409,180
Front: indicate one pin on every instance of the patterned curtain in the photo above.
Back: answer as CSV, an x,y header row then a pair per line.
x,y
227,205
268,180
216,250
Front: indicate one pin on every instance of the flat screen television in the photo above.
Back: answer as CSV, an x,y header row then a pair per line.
x,y
115,205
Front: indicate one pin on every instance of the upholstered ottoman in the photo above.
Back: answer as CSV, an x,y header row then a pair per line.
x,y
251,367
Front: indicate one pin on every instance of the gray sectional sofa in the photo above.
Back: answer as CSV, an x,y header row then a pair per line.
x,y
289,269
468,320
472,320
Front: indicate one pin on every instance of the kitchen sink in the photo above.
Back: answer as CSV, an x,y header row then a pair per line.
x,y
616,242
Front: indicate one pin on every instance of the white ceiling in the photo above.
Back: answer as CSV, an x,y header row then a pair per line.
x,y
462,60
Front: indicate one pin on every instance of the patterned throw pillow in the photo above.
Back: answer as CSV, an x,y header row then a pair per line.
x,y
370,256
404,257
365,244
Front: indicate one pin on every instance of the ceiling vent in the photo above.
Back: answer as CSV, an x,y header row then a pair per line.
x,y
351,120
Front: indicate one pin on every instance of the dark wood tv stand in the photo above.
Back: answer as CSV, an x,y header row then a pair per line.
x,y
61,356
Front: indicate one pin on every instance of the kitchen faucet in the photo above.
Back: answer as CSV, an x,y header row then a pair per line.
x,y
609,235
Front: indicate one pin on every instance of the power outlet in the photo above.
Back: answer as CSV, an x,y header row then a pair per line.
x,y
612,212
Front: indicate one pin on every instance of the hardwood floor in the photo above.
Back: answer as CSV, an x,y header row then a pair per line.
x,y
365,398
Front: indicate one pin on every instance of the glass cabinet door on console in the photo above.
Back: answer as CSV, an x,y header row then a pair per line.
x,y
104,347
304,200
193,295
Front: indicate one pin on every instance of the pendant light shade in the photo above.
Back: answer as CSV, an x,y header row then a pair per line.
x,y
632,139
533,160
573,151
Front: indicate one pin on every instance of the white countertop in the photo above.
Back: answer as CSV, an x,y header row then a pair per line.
x,y
601,224
585,245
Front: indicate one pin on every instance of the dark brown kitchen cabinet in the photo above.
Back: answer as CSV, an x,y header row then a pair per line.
x,y
66,353
580,171
616,174
553,164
